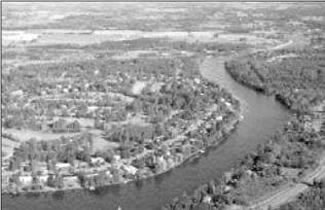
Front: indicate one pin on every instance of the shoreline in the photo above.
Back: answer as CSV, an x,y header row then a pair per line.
x,y
225,131
233,125
265,201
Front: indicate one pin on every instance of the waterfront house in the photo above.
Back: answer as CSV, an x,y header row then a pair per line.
x,y
109,174
129,169
26,180
74,126
5,179
63,167
161,163
179,157
43,178
5,163
83,165
70,179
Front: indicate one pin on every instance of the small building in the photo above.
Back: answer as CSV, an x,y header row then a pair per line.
x,y
129,169
43,178
97,160
63,167
74,126
5,179
26,180
82,164
70,179
59,126
117,157
17,93
219,118
109,174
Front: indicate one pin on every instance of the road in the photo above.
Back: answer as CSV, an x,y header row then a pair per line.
x,y
281,46
289,192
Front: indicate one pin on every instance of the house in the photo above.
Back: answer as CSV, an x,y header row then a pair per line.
x,y
73,127
82,165
161,163
5,163
59,126
70,179
117,157
63,167
43,178
97,160
109,174
179,157
129,169
207,199
197,80
219,118
5,179
26,180
17,93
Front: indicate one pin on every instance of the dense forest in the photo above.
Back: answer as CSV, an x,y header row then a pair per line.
x,y
295,77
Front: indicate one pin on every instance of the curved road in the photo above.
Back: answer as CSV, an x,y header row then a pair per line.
x,y
289,192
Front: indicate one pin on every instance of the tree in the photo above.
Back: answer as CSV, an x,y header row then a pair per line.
x,y
51,181
59,181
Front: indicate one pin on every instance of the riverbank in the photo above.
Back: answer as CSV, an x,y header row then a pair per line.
x,y
215,140
283,161
289,154
216,121
260,113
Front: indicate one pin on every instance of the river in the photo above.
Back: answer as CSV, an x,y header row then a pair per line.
x,y
262,116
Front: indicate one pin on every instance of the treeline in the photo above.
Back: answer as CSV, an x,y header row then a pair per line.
x,y
297,81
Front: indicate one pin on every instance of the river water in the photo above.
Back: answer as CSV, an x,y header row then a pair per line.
x,y
262,116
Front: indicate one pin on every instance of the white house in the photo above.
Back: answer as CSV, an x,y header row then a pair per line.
x,y
17,93
219,118
43,178
97,160
63,167
130,169
26,180
70,178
